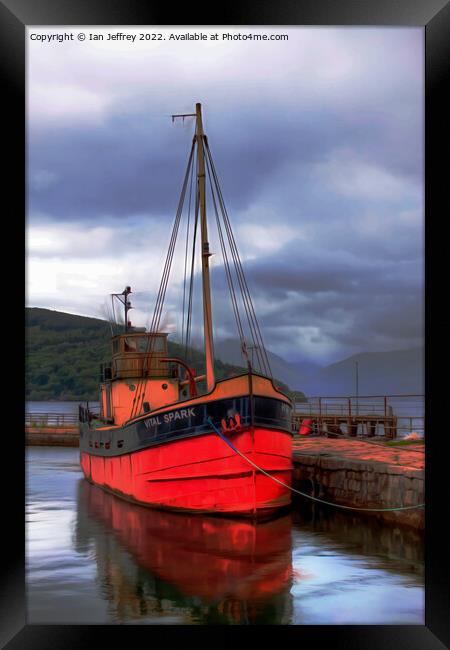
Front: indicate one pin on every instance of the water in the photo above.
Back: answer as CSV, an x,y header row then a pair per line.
x,y
95,558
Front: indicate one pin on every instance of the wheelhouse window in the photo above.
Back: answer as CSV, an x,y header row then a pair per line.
x,y
130,345
144,344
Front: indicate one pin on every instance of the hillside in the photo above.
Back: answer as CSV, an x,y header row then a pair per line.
x,y
64,353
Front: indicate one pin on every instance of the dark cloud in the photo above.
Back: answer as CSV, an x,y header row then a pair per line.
x,y
131,164
352,305
337,162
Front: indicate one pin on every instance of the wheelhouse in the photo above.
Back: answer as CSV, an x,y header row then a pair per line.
x,y
138,355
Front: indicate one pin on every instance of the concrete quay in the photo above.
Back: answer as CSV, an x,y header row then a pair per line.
x,y
363,475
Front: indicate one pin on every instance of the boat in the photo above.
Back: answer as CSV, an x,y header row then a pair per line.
x,y
160,439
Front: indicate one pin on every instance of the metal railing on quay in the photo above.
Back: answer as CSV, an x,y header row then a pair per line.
x,y
50,419
390,416
365,404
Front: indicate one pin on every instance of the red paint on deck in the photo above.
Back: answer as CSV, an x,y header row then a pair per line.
x,y
202,473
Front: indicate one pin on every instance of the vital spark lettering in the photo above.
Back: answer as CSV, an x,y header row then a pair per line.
x,y
168,417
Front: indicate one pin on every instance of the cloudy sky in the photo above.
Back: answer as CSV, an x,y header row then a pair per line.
x,y
318,142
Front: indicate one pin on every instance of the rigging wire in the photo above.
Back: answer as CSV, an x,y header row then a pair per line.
x,y
186,255
140,390
246,297
191,282
113,310
227,269
251,317
107,312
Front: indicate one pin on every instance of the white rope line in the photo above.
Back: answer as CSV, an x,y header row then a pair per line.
x,y
303,494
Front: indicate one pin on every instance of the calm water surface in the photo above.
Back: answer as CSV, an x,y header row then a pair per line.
x,y
94,558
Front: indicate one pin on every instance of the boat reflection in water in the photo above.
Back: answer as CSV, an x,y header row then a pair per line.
x,y
177,568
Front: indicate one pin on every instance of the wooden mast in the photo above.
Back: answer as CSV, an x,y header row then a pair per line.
x,y
207,318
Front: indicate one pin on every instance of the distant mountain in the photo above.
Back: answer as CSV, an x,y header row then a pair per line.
x,y
295,376
379,373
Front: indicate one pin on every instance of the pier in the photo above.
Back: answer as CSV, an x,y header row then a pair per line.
x,y
51,429
360,474
366,416
343,456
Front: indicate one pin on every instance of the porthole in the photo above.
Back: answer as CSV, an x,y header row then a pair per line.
x,y
164,386
131,386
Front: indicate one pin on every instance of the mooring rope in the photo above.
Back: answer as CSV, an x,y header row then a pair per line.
x,y
303,494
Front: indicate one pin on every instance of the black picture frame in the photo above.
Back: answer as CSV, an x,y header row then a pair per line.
x,y
433,15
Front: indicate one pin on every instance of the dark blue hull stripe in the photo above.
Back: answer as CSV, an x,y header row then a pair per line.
x,y
178,423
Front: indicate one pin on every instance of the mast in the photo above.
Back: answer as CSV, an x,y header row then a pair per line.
x,y
207,317
199,138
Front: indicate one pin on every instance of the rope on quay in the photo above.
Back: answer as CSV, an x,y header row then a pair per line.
x,y
303,494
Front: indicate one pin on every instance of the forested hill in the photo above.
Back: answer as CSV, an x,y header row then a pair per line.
x,y
64,353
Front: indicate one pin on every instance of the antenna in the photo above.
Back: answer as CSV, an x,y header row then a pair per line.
x,y
123,298
183,115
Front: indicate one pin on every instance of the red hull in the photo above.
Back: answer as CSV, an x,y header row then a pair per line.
x,y
201,473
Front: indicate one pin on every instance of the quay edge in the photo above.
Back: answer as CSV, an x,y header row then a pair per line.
x,y
51,436
363,475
